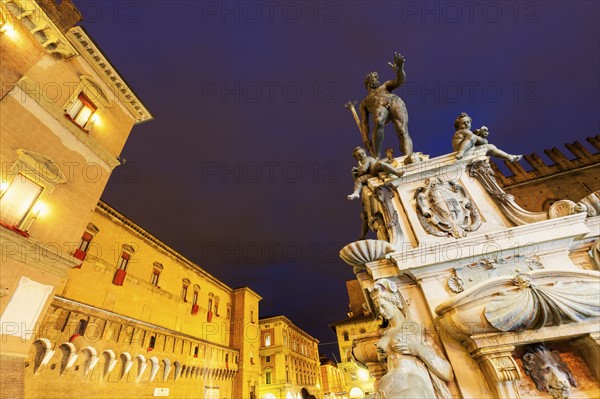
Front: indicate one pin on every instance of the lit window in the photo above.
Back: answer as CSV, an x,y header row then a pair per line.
x,y
122,264
154,278
81,111
195,299
84,244
268,339
25,188
157,268
18,200
123,261
184,289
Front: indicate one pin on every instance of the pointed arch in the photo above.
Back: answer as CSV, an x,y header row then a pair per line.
x,y
43,353
110,360
69,355
142,364
167,367
155,366
177,371
91,359
126,363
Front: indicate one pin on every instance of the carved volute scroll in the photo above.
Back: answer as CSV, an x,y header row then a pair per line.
x,y
500,369
484,173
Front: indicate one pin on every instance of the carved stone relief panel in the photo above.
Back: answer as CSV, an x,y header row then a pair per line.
x,y
444,209
467,276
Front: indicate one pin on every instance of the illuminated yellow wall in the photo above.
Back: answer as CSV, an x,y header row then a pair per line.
x,y
144,322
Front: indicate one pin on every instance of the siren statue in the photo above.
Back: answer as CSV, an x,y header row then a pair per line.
x,y
414,368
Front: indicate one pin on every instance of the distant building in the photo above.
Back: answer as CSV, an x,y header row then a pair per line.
x,y
289,360
572,176
357,379
65,115
332,377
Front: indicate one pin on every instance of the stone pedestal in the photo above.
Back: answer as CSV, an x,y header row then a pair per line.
x,y
479,272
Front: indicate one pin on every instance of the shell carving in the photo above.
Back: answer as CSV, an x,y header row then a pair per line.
x,y
533,307
358,253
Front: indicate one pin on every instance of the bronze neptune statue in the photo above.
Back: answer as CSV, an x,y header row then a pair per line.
x,y
384,107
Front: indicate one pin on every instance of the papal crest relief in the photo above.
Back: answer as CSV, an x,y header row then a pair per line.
x,y
443,209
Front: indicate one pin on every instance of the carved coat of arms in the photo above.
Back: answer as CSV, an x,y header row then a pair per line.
x,y
443,209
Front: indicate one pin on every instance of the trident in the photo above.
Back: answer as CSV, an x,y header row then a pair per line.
x,y
365,137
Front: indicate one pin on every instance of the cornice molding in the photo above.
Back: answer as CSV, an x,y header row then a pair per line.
x,y
92,54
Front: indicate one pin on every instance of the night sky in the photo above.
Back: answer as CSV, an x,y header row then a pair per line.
x,y
246,167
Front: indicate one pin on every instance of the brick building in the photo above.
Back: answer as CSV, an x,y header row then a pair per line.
x,y
572,175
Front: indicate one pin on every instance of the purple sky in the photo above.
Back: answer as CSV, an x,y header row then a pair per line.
x,y
246,166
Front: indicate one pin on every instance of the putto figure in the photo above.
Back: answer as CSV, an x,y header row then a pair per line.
x,y
368,167
385,107
465,141
414,368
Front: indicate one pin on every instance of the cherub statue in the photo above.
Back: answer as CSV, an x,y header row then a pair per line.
x,y
465,141
368,167
385,107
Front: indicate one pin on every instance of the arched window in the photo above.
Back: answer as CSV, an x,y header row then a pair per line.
x,y
184,289
86,100
157,269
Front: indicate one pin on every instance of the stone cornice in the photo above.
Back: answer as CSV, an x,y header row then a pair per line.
x,y
107,211
553,232
289,324
92,54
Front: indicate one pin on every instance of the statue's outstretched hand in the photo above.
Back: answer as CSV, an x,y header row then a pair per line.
x,y
398,62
